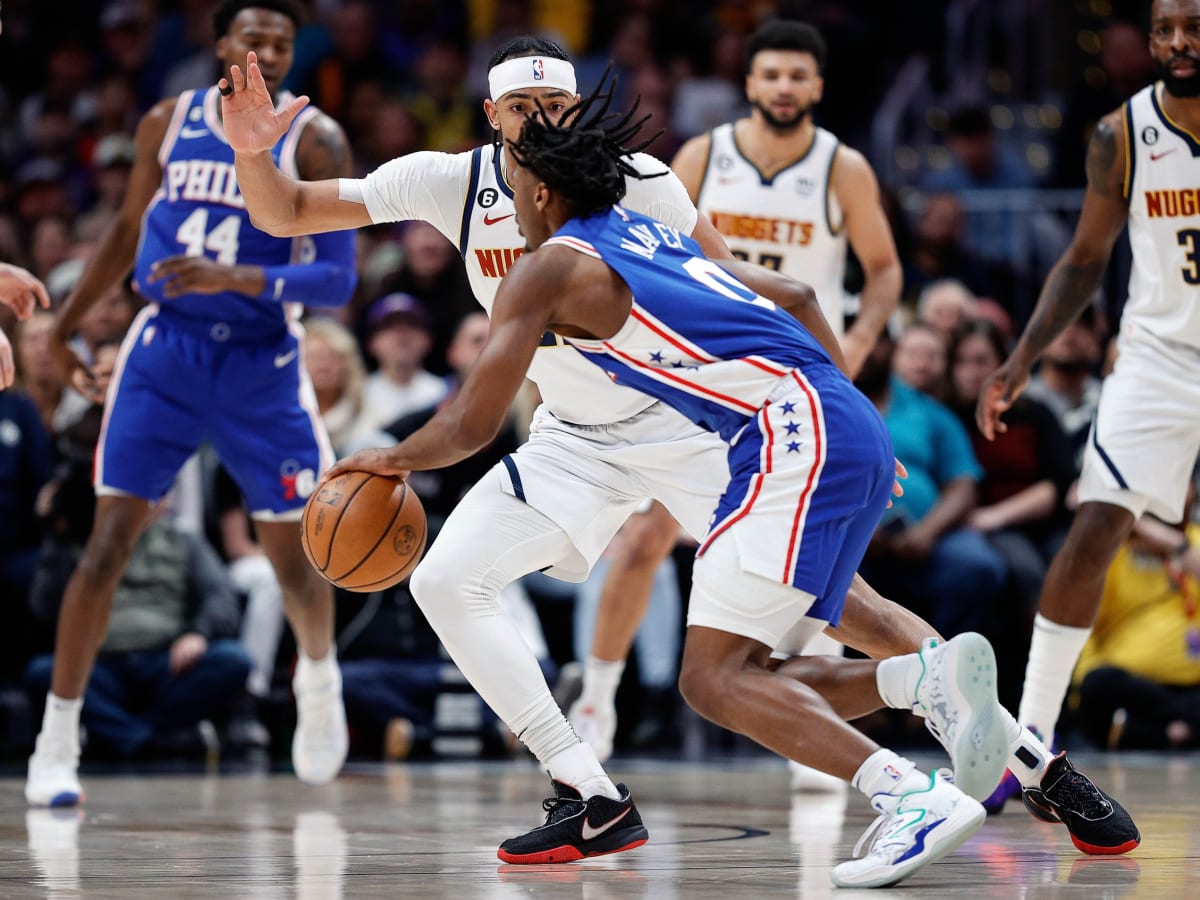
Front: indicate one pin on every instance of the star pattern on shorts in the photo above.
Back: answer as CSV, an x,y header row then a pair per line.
x,y
792,428
656,356
793,447
789,408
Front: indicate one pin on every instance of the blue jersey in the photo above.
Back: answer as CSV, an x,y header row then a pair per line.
x,y
198,210
696,337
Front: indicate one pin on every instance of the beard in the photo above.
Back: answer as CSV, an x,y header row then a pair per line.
x,y
783,126
1180,87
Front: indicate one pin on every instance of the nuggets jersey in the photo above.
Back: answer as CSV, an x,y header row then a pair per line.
x,y
466,197
790,222
1162,184
199,210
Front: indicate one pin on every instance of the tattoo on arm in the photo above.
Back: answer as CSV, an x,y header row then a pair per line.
x,y
1101,155
327,154
1068,290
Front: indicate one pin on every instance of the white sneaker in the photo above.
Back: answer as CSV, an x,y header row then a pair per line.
x,y
925,826
807,780
54,773
957,695
322,740
595,726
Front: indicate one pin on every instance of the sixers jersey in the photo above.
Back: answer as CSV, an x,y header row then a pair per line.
x,y
199,211
467,198
1162,184
696,337
790,222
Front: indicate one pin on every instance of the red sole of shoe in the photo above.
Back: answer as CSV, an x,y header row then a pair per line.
x,y
1093,850
563,854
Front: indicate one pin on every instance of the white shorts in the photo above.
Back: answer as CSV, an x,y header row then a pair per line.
x,y
588,479
728,598
1144,442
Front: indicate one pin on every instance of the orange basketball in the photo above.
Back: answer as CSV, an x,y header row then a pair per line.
x,y
364,532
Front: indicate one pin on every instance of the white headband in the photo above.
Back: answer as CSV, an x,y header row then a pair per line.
x,y
530,72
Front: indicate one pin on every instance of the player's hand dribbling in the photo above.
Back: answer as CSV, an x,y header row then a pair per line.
x,y
999,393
377,462
248,114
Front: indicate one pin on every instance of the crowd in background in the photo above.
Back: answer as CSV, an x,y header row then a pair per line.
x,y
967,545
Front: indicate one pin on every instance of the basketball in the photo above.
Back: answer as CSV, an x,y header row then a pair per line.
x,y
364,532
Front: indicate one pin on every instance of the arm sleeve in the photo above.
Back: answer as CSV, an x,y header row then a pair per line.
x,y
663,198
425,185
325,276
211,595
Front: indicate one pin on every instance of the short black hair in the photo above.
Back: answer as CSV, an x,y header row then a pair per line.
x,y
528,45
583,157
783,34
227,11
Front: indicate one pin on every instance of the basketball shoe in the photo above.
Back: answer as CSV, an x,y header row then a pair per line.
x,y
596,725
1097,823
922,826
54,773
576,828
321,741
957,695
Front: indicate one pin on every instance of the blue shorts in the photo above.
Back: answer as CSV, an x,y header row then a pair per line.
x,y
810,477
179,383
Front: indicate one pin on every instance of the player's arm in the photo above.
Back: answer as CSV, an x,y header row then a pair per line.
x,y
793,297
113,258
278,205
857,191
521,315
690,162
1075,277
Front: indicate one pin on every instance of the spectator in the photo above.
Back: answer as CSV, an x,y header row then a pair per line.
x,y
170,659
338,375
921,555
399,338
40,376
939,252
1138,678
946,305
920,359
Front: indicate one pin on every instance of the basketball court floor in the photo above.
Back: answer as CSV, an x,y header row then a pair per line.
x,y
430,831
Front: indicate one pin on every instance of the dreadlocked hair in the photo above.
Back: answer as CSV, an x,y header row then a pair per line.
x,y
584,157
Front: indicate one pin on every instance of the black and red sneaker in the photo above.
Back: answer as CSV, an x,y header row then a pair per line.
x,y
576,828
1098,824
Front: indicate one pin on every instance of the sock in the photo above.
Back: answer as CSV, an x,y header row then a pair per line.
x,y
578,767
896,680
884,777
61,719
601,678
316,673
1052,656
1028,756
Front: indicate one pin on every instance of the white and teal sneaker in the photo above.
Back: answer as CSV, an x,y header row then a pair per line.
x,y
923,827
957,695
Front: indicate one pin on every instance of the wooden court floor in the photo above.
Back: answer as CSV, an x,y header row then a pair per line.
x,y
430,831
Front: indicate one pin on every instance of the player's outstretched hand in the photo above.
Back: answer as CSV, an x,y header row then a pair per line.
x,y
997,397
377,462
898,488
251,121
21,291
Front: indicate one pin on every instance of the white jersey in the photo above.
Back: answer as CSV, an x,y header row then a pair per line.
x,y
467,198
1162,184
790,222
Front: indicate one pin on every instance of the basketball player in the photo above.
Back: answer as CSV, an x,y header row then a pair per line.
x,y
1142,170
596,449
216,356
811,471
21,291
787,195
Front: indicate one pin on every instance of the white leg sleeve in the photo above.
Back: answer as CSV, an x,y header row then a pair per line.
x,y
262,624
490,540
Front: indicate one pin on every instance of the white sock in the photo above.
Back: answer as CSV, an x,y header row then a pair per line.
x,y
1028,756
61,719
885,776
896,680
1052,656
578,767
316,673
601,678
